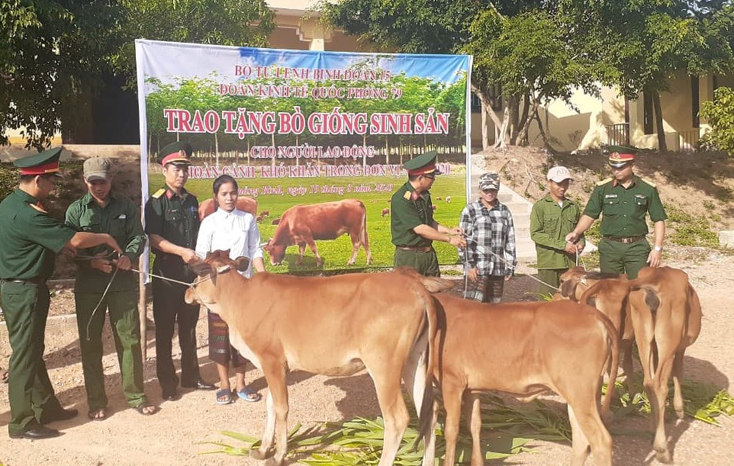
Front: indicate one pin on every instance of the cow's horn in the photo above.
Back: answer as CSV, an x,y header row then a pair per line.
x,y
223,269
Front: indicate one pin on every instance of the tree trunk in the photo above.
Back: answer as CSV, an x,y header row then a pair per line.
x,y
504,129
487,112
662,147
514,118
522,140
216,148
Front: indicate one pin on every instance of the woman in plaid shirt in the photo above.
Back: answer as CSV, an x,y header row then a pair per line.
x,y
489,258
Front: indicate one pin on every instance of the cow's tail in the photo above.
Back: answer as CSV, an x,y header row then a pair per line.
x,y
425,423
590,293
612,360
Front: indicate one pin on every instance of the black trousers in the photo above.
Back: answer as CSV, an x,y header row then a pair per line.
x,y
169,307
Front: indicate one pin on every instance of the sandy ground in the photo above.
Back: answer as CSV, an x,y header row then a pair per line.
x,y
176,433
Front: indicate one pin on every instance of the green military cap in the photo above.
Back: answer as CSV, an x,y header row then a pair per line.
x,y
424,164
621,155
177,153
47,162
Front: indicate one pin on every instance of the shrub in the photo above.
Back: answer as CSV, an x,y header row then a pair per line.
x,y
720,115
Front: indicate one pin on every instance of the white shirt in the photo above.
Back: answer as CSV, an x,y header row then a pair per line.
x,y
235,231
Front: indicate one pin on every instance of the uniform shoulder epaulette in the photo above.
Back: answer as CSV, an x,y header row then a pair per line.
x,y
649,182
159,193
38,208
407,195
604,181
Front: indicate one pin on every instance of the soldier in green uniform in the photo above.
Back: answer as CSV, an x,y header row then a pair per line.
x,y
552,218
172,225
624,201
29,241
97,289
412,225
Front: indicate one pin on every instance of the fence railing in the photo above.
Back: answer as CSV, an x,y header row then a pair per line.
x,y
687,141
618,134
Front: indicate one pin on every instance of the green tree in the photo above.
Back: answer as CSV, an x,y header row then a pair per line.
x,y
644,42
50,51
720,115
221,22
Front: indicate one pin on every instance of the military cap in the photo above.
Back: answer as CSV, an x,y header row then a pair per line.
x,y
489,180
97,168
44,163
177,153
621,155
424,164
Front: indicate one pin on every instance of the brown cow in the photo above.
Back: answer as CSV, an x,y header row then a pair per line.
x,y
244,203
385,211
524,349
337,326
666,314
276,221
303,224
608,293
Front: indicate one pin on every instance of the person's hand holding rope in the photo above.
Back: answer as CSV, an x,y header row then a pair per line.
x,y
101,263
123,263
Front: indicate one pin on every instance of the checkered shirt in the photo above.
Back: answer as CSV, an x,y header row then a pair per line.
x,y
490,236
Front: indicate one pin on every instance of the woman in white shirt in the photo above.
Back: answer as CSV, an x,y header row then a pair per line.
x,y
234,230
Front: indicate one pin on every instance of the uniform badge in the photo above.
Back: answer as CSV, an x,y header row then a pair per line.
x,y
407,195
612,196
159,193
605,181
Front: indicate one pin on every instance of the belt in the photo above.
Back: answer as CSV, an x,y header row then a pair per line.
x,y
624,239
35,281
416,248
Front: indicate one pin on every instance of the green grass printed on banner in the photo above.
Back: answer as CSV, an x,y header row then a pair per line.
x,y
335,253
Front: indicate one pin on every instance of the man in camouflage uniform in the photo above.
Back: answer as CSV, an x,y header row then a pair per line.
x,y
624,200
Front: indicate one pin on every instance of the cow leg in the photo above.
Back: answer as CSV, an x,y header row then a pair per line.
x,y
266,443
392,405
312,245
677,377
356,244
429,456
474,420
579,442
277,425
625,347
588,431
301,249
452,403
665,366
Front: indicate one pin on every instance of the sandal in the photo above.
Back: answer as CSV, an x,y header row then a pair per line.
x,y
144,408
97,414
248,395
224,397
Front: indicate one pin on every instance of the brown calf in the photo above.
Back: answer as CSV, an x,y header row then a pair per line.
x,y
339,325
608,293
666,314
524,349
385,211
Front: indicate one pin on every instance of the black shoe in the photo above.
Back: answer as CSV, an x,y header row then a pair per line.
x,y
60,414
37,433
200,385
170,395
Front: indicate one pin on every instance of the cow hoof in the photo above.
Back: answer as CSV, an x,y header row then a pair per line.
x,y
273,462
262,455
350,263
664,456
680,414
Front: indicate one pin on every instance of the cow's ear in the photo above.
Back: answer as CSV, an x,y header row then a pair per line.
x,y
201,269
242,263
